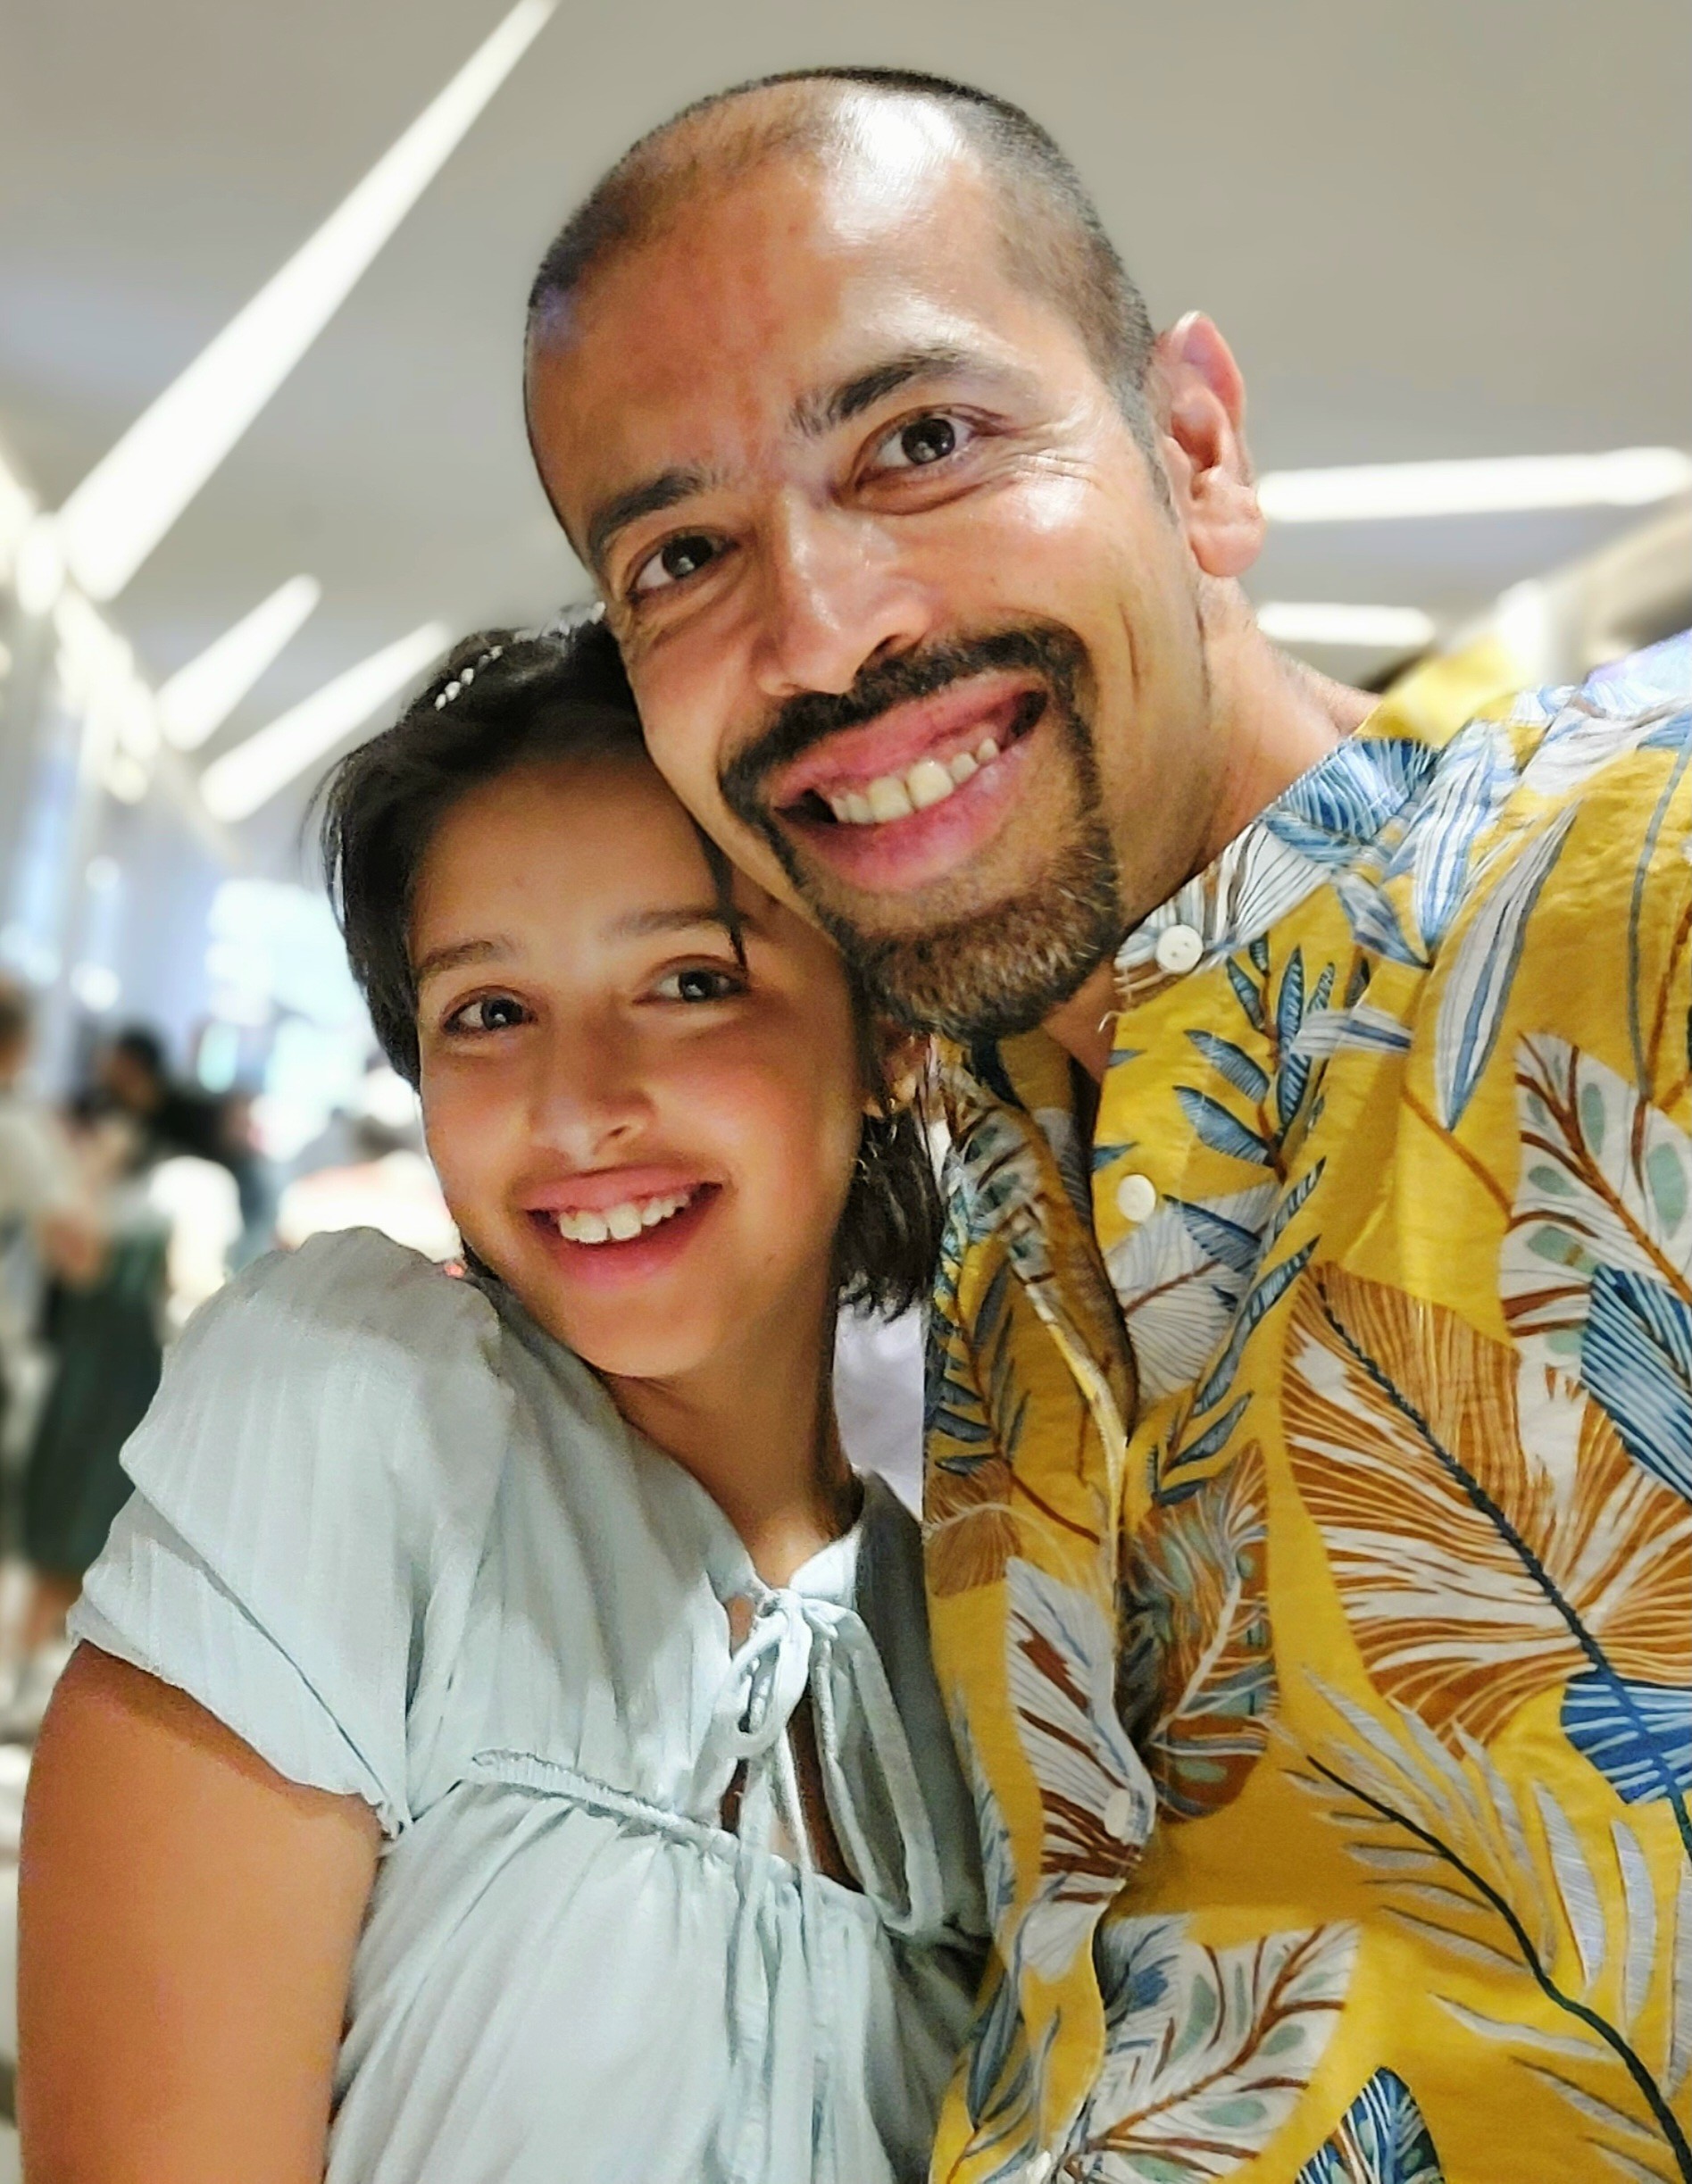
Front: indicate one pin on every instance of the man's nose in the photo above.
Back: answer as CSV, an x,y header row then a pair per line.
x,y
835,595
589,1100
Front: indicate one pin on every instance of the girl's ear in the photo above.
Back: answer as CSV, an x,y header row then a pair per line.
x,y
904,1058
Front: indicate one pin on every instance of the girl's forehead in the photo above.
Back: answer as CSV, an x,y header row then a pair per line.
x,y
591,840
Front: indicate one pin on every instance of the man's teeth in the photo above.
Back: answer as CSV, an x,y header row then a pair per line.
x,y
616,1224
895,795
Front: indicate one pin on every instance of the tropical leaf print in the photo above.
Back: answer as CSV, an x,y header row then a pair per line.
x,y
1003,2079
1254,883
1196,1678
1179,1278
1476,775
1362,1026
1097,1798
1344,805
1488,1885
1489,1533
976,1412
1637,1358
1193,1445
1637,1735
1206,2065
1382,2140
1605,1181
1480,976
1589,732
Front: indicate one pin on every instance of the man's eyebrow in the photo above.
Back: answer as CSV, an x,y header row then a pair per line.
x,y
813,414
455,954
650,498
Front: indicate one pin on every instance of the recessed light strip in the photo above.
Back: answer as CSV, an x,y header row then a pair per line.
x,y
199,698
236,784
133,495
1367,628
1380,492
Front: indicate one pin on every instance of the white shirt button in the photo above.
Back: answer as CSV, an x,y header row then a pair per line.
x,y
1178,950
1120,1815
1136,1197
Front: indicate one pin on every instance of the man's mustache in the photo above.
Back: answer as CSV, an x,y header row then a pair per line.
x,y
1046,649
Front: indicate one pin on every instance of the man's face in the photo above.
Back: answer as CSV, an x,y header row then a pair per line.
x,y
911,625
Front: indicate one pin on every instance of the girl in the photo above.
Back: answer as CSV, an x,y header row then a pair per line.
x,y
503,1744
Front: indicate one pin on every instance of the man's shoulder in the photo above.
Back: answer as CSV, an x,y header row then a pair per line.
x,y
1622,735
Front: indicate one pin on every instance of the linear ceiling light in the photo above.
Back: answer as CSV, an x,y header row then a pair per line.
x,y
1312,622
236,784
1376,492
132,496
199,698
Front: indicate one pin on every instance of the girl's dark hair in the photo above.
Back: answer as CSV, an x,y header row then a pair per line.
x,y
507,698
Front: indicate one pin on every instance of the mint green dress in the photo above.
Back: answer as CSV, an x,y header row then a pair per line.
x,y
398,1539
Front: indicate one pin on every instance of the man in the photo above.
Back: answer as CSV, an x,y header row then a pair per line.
x,y
1311,1392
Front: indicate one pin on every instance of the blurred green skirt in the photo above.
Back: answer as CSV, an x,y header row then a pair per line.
x,y
106,1341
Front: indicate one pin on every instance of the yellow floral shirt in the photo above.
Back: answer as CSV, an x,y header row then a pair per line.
x,y
1322,1654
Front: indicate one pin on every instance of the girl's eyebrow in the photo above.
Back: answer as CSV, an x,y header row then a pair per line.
x,y
683,918
458,952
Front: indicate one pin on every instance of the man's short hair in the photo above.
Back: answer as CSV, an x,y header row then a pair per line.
x,y
1053,237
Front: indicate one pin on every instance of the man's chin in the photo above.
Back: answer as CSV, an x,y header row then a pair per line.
x,y
996,972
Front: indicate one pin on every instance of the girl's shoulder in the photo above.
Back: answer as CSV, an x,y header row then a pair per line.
x,y
351,1391
352,1293
315,1482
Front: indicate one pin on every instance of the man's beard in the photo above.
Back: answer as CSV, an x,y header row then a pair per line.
x,y
1004,968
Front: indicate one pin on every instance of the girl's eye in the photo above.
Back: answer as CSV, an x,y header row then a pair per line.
x,y
676,559
491,1013
923,442
700,982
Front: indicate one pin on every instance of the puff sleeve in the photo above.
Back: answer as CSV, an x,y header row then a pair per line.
x,y
313,1486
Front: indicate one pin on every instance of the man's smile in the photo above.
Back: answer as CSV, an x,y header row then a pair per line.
x,y
899,802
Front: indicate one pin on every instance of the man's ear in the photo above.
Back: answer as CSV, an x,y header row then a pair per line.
x,y
1201,404
905,1057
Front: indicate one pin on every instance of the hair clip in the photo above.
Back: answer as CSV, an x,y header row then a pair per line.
x,y
466,676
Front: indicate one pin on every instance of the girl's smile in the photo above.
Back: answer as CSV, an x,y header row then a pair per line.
x,y
644,1100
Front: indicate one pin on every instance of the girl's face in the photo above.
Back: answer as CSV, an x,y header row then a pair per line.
x,y
649,1142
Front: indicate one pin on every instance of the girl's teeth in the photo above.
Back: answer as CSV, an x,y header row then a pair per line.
x,y
618,1224
895,795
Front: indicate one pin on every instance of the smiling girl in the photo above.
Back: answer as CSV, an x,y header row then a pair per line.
x,y
503,1744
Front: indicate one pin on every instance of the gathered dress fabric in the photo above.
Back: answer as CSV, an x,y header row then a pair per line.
x,y
400,1541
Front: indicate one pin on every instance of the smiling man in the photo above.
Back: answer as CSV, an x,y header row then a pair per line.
x,y
1311,1392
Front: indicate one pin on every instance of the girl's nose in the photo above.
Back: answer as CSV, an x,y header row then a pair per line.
x,y
589,1098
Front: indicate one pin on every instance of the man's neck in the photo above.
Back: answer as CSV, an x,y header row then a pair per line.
x,y
1283,719
756,1427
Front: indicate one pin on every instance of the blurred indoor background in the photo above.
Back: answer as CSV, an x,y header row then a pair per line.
x,y
261,280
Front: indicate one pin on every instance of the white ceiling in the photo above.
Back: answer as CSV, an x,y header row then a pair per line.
x,y
1454,228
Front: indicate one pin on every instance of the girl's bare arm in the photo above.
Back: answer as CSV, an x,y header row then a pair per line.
x,y
187,1919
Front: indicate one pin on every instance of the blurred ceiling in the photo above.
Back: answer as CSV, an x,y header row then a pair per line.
x,y
1460,228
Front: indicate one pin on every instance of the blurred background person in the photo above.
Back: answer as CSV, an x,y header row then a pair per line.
x,y
159,1218
45,1226
367,1170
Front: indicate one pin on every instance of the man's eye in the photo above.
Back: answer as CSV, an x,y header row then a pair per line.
x,y
676,559
700,982
491,1013
924,441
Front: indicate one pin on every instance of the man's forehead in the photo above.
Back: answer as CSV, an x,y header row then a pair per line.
x,y
697,347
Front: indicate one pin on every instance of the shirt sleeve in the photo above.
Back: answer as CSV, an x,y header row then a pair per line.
x,y
313,1484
